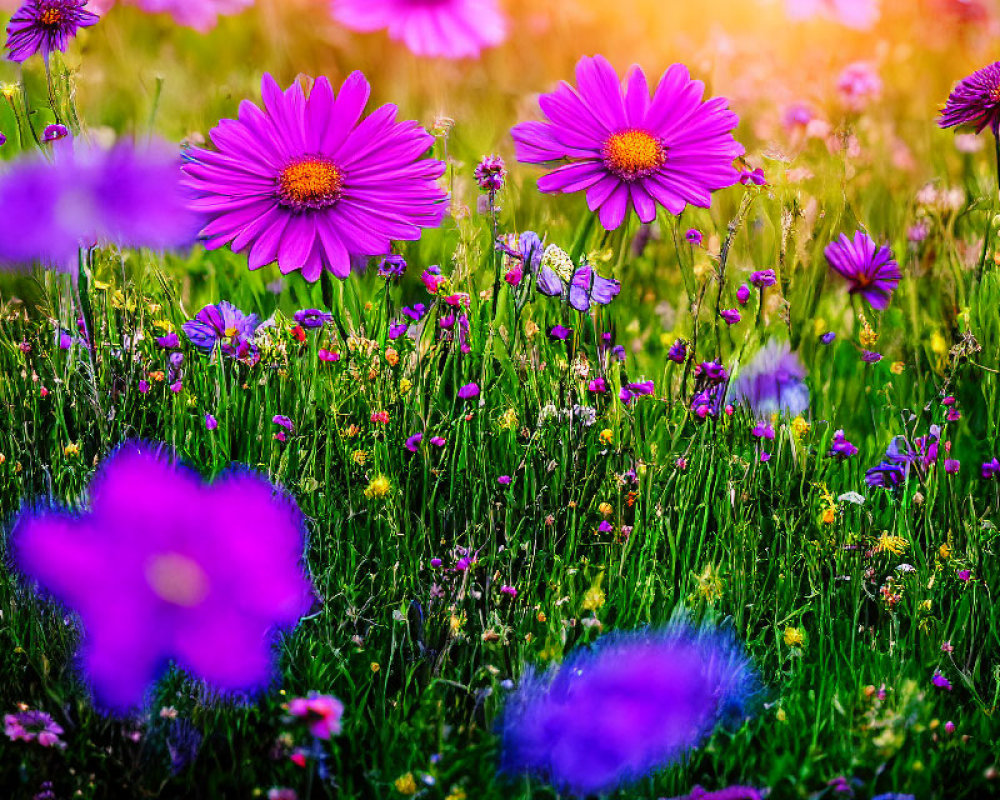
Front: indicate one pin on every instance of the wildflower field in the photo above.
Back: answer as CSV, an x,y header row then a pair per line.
x,y
471,399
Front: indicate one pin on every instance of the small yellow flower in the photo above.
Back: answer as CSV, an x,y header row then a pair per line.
x,y
406,784
710,584
378,487
457,793
829,515
819,326
508,420
359,457
607,436
938,343
868,336
392,357
72,449
594,597
781,716
897,367
351,431
944,551
800,427
456,622
894,544
541,616
375,666
531,329
3,459
794,637
405,385
605,509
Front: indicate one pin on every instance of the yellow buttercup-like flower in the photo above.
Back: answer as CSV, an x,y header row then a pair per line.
x,y
794,637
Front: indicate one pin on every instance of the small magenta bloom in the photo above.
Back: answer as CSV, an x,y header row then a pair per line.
x,y
301,181
53,133
392,267
321,713
859,84
598,386
632,390
871,271
627,150
990,469
870,356
444,28
504,480
413,443
753,177
224,325
166,568
170,341
952,465
975,101
694,237
211,423
840,447
743,294
283,422
41,26
763,278
491,173
940,681
631,704
560,333
764,456
469,390
33,726
763,430
964,575
437,441
326,355
678,351
730,315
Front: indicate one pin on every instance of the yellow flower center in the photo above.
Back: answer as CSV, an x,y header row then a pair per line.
x,y
633,154
51,17
177,579
230,332
312,182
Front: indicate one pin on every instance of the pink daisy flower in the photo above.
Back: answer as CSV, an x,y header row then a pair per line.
x,y
445,28
627,150
307,183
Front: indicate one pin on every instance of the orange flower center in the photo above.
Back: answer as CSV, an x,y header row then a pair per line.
x,y
633,154
177,579
51,17
312,182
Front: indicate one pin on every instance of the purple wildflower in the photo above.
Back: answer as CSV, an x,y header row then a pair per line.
x,y
990,469
33,726
301,183
416,312
490,174
764,456
763,278
206,585
598,386
729,793
828,337
631,704
170,341
143,386
437,441
627,150
743,294
952,466
560,333
312,318
753,177
773,382
413,443
870,270
41,26
763,430
53,133
940,681
632,390
392,267
964,575
211,423
730,315
694,237
975,101
678,351
469,390
840,447
320,712
870,356
283,422
397,329
504,480
224,325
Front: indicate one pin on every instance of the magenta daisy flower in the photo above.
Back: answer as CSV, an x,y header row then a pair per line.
x,y
446,28
41,26
975,101
629,151
870,270
307,183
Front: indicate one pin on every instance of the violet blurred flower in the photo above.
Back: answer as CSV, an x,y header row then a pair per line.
x,y
743,294
560,333
940,681
870,357
437,441
397,329
753,177
729,793
504,480
170,341
42,26
632,703
952,465
53,133
312,318
413,443
773,382
468,390
207,584
415,312
840,447
763,278
730,315
828,337
632,390
598,386
392,267
678,351
762,430
320,712
990,469
211,423
223,324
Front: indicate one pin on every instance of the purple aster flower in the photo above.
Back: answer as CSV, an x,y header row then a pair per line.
x,y
763,278
743,294
990,469
33,726
413,443
211,423
130,196
53,133
632,703
225,325
598,386
415,312
445,28
940,681
730,315
763,431
694,236
840,447
437,441
560,333
3,139
764,456
392,267
952,465
397,329
753,177
41,26
490,174
975,101
678,352
773,382
166,568
627,150
828,337
870,357
282,421
469,390
143,386
170,341
870,270
313,318
307,183
504,480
